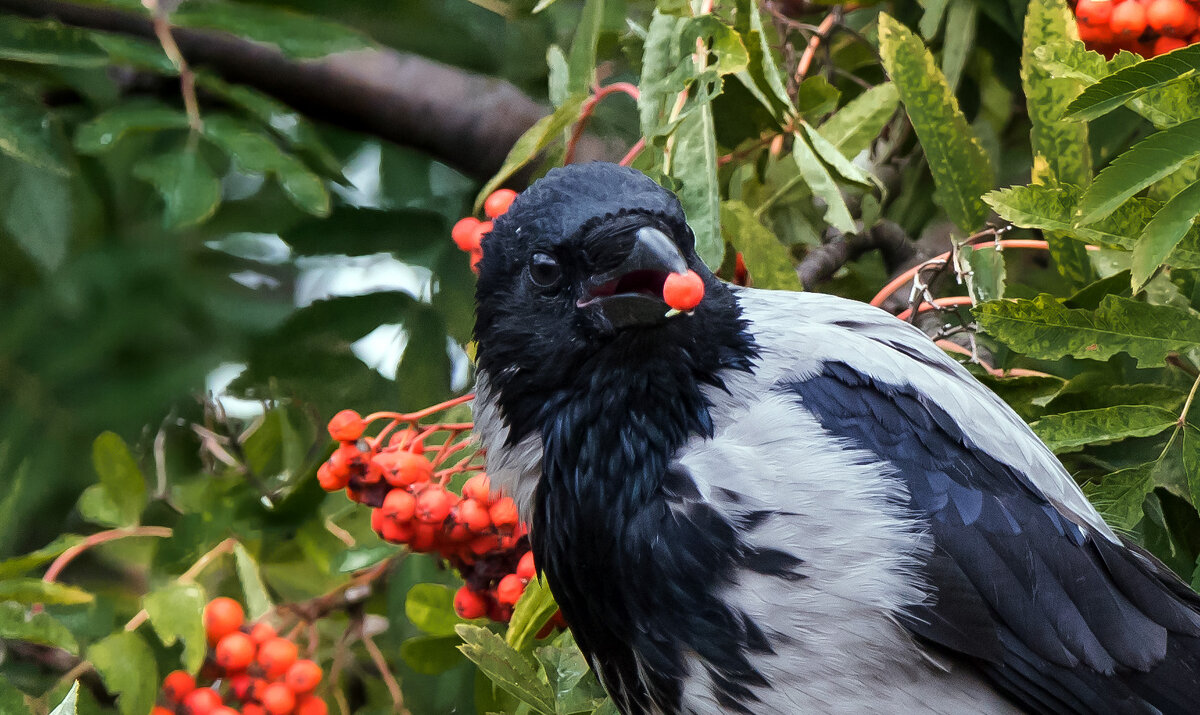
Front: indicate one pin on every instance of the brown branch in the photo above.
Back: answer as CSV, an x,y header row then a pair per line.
x,y
467,120
887,237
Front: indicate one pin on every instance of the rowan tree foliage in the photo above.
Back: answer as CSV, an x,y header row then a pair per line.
x,y
224,223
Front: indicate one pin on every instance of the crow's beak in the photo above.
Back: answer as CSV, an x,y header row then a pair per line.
x,y
632,293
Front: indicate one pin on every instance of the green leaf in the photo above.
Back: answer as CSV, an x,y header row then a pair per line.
x,y
694,164
542,5
575,689
961,16
1191,462
362,557
33,590
507,668
533,610
1071,430
68,704
581,62
726,53
412,235
816,97
960,167
17,623
12,700
1144,163
767,259
186,184
27,130
48,43
856,125
659,59
39,213
1123,85
120,496
821,181
258,601
432,654
254,152
985,281
176,613
762,70
832,157
1120,495
533,142
931,19
1163,233
104,131
430,607
26,562
127,667
1043,328
296,35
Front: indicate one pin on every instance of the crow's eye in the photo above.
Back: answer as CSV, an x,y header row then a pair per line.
x,y
544,270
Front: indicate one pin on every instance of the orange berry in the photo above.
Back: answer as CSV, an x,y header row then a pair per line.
x,y
1128,21
476,257
479,488
504,513
423,538
399,505
347,426
683,291
277,699
526,568
344,457
397,532
160,710
481,232
303,677
474,515
235,651
201,701
1173,18
469,604
177,685
222,616
311,705
253,709
242,686
480,545
498,202
463,234
509,590
331,479
1094,12
406,468
434,504
262,632
223,710
276,656
406,439
1163,45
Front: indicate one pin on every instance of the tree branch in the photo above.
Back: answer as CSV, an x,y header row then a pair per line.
x,y
822,262
467,120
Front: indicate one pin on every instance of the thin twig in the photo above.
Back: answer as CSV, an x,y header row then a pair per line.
x,y
589,108
188,576
66,557
814,43
384,672
187,80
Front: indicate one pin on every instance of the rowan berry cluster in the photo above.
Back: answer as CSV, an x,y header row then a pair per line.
x,y
477,532
468,232
1147,27
248,665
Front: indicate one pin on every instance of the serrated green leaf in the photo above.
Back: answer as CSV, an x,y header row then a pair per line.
x,y
1070,430
961,169
694,164
507,668
431,654
258,601
18,623
1144,163
251,150
296,35
763,69
27,130
48,43
1120,495
532,611
39,213
69,703
1163,233
120,496
105,130
856,125
987,273
961,15
176,613
1126,84
18,565
822,184
532,142
768,260
1191,462
575,689
127,667
430,607
1045,329
186,184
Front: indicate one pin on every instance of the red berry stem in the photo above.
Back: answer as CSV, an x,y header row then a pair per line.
x,y
589,107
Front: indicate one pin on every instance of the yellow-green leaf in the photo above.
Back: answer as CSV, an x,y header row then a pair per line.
x,y
531,613
18,623
127,667
1163,233
532,142
767,259
856,125
1123,85
694,164
176,613
1071,430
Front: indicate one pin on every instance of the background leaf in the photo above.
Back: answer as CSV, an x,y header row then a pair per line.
x,y
1123,85
126,664
176,614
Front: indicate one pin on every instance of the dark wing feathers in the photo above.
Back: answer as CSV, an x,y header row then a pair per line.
x,y
1061,618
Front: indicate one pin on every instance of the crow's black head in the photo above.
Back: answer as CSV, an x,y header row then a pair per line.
x,y
571,282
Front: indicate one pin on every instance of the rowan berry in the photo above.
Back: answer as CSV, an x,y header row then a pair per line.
x,y
1164,44
224,710
262,632
332,479
479,488
504,513
242,686
406,439
347,426
498,202
480,545
469,604
424,537
397,532
235,651
526,568
276,656
407,468
253,709
399,505
344,457
474,515
201,701
303,677
509,590
222,616
683,291
1128,21
463,234
160,710
1094,12
277,699
1173,18
177,685
434,504
311,705
476,257
481,232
